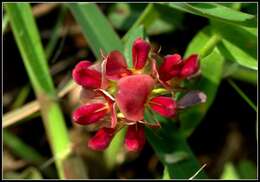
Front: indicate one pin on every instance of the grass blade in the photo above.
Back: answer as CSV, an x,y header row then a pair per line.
x,y
21,149
29,44
217,12
242,94
96,29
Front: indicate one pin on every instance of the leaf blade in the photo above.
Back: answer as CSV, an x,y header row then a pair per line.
x,y
96,29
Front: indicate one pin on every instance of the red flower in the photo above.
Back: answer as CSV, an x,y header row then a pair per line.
x,y
170,67
102,139
135,138
116,67
191,66
90,113
174,66
85,76
165,106
140,53
112,89
132,94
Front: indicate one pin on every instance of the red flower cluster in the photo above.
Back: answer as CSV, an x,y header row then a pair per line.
x,y
114,92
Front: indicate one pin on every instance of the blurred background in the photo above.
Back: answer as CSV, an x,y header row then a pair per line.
x,y
225,139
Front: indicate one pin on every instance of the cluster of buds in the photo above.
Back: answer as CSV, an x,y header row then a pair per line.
x,y
115,96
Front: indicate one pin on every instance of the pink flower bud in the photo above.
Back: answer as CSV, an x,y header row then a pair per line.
x,y
170,67
102,139
140,52
85,76
91,113
191,66
165,106
135,138
116,66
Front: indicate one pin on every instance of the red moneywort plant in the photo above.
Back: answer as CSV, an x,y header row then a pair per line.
x,y
116,96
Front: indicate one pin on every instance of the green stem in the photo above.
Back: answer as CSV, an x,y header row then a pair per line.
x,y
21,97
148,12
242,94
212,42
246,75
55,33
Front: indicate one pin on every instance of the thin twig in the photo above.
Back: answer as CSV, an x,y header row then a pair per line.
x,y
18,114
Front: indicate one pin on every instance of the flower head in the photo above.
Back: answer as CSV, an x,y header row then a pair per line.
x,y
123,94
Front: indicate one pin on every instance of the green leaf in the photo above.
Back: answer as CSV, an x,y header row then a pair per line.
x,y
21,149
247,169
95,27
203,43
146,19
124,15
233,53
217,12
240,73
241,48
173,151
229,172
29,43
208,83
111,153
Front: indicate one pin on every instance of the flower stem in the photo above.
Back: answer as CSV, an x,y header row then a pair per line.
x,y
242,94
215,38
143,19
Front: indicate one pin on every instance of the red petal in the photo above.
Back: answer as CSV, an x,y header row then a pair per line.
x,y
157,76
135,138
191,66
132,94
171,67
165,106
102,139
86,77
140,53
90,113
116,66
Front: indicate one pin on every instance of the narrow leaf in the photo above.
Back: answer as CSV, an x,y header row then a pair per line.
x,y
216,12
95,27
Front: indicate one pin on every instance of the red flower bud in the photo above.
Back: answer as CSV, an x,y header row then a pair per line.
x,y
132,94
91,113
165,106
86,77
140,51
170,67
135,138
116,66
191,66
102,139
